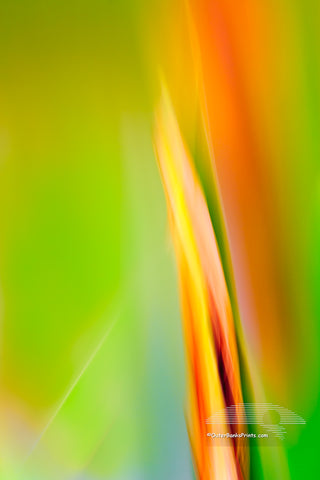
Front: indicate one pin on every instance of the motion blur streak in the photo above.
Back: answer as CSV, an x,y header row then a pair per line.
x,y
208,322
87,180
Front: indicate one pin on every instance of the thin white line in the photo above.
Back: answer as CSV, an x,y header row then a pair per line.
x,y
74,383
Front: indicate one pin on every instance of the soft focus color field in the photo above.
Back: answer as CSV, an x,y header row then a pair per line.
x,y
159,235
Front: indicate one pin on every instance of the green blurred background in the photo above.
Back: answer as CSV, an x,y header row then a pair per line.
x,y
91,374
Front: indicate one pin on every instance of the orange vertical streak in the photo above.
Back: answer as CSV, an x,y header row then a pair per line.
x,y
207,315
